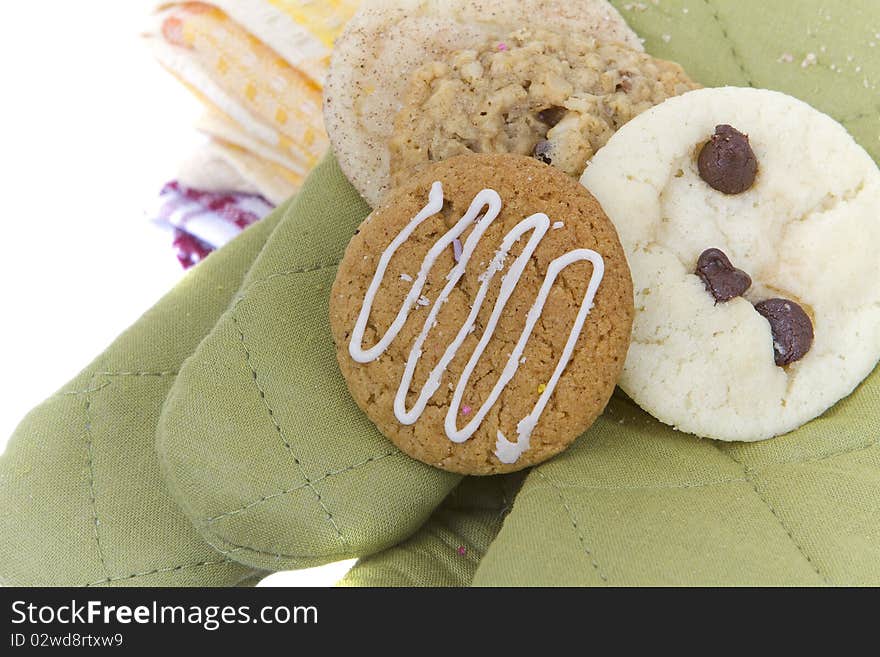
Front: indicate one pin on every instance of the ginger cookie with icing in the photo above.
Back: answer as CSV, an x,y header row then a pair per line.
x,y
482,313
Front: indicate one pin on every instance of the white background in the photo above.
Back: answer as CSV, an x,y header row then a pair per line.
x,y
91,129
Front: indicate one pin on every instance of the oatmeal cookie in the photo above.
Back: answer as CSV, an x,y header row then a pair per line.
x,y
556,97
388,39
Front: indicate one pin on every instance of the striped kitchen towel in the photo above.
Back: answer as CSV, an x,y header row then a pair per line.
x,y
258,66
203,221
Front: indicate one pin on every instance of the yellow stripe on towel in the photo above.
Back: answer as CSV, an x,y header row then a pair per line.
x,y
258,66
323,18
274,92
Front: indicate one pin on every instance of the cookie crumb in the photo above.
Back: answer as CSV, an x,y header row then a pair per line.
x,y
785,58
558,225
809,60
457,249
666,38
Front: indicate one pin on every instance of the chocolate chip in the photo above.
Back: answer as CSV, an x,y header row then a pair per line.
x,y
791,327
542,151
727,162
722,279
552,115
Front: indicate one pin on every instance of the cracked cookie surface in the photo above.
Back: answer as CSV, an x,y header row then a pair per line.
x,y
806,231
525,187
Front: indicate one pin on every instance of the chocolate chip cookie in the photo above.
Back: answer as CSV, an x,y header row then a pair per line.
x,y
751,225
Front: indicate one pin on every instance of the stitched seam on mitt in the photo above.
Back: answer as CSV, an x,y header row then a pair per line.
x,y
283,274
736,56
708,484
750,475
159,571
819,459
273,496
573,519
280,430
138,374
93,494
326,557
93,388
90,456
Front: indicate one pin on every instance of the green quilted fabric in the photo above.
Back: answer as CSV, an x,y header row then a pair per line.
x,y
260,441
82,501
447,550
635,503
826,53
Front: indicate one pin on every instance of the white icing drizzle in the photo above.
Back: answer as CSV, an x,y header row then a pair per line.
x,y
538,224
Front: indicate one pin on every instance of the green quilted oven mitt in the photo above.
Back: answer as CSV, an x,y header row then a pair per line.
x,y
260,441
82,500
635,503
